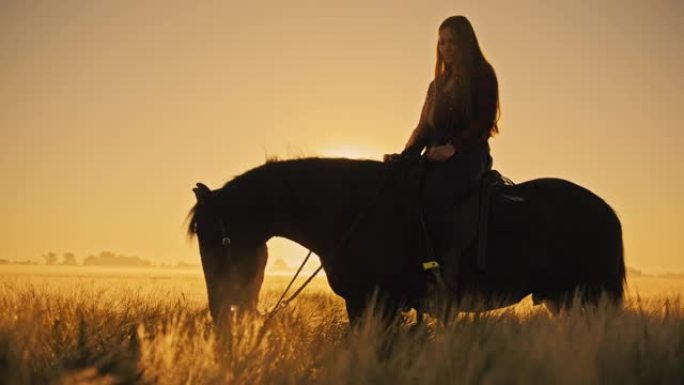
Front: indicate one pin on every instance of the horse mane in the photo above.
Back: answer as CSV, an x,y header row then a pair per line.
x,y
272,166
190,221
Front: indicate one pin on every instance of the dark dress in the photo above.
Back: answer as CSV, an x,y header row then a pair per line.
x,y
447,182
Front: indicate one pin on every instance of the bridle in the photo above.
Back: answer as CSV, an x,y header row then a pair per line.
x,y
282,302
225,239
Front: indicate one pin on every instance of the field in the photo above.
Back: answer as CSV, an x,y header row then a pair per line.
x,y
80,326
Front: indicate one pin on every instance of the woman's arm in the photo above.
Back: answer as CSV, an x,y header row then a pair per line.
x,y
417,141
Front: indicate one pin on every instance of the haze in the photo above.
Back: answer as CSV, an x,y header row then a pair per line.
x,y
113,110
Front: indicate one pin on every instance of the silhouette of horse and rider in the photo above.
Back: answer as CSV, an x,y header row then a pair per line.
x,y
433,220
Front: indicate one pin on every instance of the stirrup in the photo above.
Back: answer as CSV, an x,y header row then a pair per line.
x,y
433,268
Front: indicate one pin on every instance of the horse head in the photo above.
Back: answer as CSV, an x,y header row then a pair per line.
x,y
232,252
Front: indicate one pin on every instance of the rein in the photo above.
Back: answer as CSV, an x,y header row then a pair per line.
x,y
283,303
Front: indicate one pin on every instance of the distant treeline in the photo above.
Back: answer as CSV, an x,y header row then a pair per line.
x,y
632,272
109,258
104,258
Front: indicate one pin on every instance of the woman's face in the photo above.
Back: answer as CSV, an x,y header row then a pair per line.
x,y
447,45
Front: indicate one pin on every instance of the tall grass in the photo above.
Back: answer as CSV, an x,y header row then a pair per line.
x,y
154,331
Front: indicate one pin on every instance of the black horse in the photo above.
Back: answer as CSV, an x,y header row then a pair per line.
x,y
547,237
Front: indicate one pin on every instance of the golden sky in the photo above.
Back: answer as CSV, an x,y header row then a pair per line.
x,y
112,110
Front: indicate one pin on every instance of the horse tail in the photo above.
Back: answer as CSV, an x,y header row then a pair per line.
x,y
608,280
614,288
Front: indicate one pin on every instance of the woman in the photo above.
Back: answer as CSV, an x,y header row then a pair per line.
x,y
458,117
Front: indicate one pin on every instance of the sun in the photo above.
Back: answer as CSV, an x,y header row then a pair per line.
x,y
351,152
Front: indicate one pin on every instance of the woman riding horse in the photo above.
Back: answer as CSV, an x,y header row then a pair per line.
x,y
547,237
459,115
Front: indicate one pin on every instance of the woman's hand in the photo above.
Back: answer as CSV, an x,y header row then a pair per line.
x,y
440,153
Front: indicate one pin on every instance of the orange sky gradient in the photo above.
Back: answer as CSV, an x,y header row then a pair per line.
x,y
113,110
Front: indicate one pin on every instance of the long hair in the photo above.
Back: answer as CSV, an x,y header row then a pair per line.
x,y
470,63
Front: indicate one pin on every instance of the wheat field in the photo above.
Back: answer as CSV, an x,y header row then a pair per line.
x,y
127,326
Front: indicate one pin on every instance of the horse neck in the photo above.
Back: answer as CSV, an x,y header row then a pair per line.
x,y
315,203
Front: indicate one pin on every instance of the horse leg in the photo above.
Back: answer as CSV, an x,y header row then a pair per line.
x,y
590,297
355,309
380,307
586,298
553,303
554,307
378,315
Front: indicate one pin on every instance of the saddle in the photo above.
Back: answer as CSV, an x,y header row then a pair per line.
x,y
469,219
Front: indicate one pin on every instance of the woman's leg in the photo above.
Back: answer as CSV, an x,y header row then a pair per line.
x,y
447,183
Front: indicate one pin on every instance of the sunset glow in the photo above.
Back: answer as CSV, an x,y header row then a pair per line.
x,y
112,111
352,153
124,261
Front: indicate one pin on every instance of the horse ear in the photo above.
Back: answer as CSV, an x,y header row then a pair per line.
x,y
201,192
